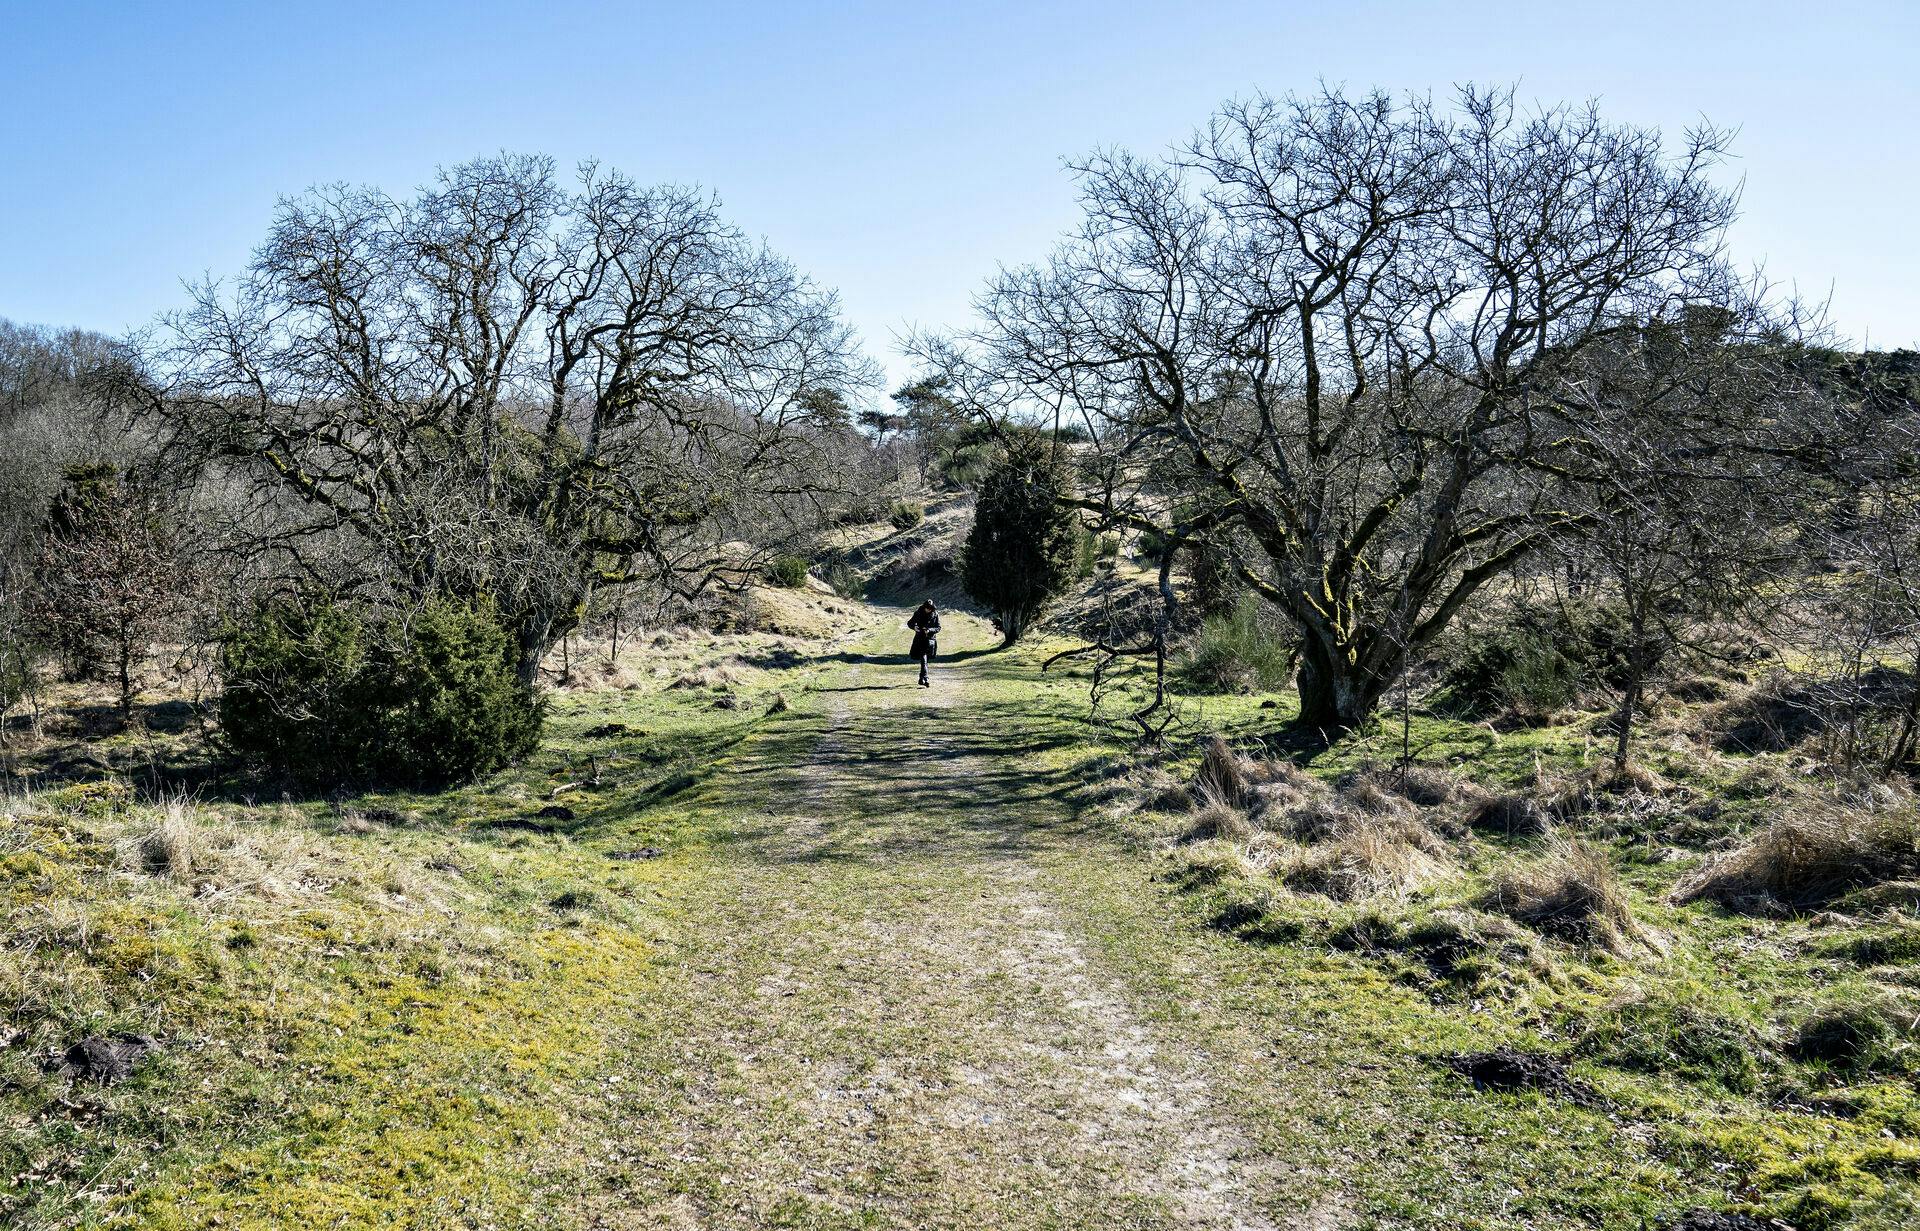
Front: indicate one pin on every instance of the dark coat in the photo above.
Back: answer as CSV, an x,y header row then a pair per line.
x,y
926,634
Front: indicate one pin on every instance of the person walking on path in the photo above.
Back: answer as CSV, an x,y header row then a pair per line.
x,y
925,623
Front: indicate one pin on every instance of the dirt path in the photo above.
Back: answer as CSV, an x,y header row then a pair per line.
x,y
887,1016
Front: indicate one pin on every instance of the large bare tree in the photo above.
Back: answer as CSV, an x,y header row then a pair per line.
x,y
511,386
1332,332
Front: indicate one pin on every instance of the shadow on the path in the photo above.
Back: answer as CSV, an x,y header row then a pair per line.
x,y
901,659
915,782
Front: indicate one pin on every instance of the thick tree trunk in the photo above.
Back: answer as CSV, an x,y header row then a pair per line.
x,y
1335,694
533,636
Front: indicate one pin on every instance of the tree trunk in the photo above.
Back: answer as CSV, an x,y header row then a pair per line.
x,y
1628,703
1630,696
534,637
1335,694
125,653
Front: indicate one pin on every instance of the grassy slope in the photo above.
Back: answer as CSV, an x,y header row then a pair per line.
x,y
444,1023
364,1020
1688,1121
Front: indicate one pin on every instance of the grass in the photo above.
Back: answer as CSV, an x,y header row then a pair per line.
x,y
906,960
358,1016
1686,1016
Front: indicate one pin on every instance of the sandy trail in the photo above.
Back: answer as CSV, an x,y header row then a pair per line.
x,y
891,1016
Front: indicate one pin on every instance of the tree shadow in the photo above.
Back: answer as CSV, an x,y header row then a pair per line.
x,y
901,659
916,783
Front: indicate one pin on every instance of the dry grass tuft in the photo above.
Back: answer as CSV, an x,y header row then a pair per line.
x,y
1572,892
1366,860
1216,819
1424,786
1159,791
1512,814
706,677
1317,819
1279,772
1633,778
1368,796
1812,856
168,848
1222,776
1274,799
1358,855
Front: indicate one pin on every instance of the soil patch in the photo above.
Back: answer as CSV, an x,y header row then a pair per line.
x,y
1509,1068
105,1058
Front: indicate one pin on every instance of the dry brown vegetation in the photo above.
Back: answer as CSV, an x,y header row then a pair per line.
x,y
1570,891
1363,837
1817,851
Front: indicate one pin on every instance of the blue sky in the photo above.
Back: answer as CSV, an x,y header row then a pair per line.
x,y
896,151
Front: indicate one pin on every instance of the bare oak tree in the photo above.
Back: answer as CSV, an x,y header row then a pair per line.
x,y
1331,331
108,580
507,386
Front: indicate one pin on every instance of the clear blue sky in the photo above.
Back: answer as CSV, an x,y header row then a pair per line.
x,y
897,151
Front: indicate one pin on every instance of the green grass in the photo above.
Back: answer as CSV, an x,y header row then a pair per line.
x,y
360,1018
873,981
1691,1045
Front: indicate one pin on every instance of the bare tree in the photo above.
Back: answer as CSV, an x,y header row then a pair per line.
x,y
1332,330
108,579
1861,526
1682,465
507,386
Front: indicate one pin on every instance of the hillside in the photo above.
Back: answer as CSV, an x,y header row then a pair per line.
x,y
764,936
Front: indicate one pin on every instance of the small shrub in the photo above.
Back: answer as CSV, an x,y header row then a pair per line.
x,y
788,572
293,675
905,515
449,701
1238,652
844,580
317,692
1535,661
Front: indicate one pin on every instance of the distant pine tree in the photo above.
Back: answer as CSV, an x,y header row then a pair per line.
x,y
1020,554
